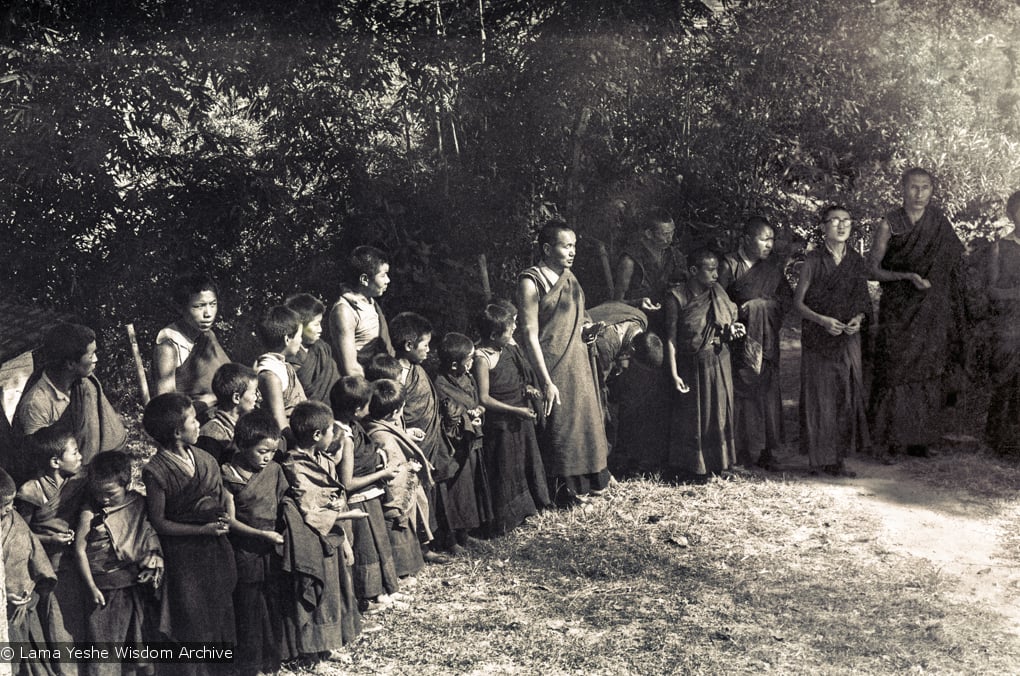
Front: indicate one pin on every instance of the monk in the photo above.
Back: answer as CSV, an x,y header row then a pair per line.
x,y
649,264
756,283
357,325
1003,426
917,257
700,320
573,439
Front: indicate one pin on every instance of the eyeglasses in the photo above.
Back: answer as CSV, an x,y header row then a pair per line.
x,y
839,221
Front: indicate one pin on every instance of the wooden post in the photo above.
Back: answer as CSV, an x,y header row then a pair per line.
x,y
483,268
139,366
607,269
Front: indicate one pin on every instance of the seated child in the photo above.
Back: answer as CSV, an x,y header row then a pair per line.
x,y
187,352
189,509
461,415
405,503
280,333
50,503
316,368
512,403
120,560
256,485
236,388
321,501
27,574
641,446
362,473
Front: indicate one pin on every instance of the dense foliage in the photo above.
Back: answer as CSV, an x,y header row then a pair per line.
x,y
260,140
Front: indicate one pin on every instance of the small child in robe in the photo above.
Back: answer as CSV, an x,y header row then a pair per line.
x,y
321,503
461,414
120,560
236,388
280,332
316,368
256,485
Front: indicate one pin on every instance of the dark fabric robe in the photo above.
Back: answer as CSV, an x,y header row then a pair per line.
x,y
200,569
457,396
833,419
1003,425
919,342
652,278
573,438
374,569
317,370
421,410
701,429
763,297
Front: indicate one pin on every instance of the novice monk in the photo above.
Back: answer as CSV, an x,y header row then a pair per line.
x,y
236,388
321,501
832,297
316,368
255,486
65,392
756,283
189,508
700,320
280,332
357,326
405,506
120,560
461,413
187,352
513,462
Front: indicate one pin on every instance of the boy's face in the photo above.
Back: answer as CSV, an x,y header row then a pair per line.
x,y
507,336
249,399
86,364
326,437
376,285
258,456
362,412
6,507
707,273
837,226
312,330
109,494
188,433
416,353
200,312
293,344
467,363
69,461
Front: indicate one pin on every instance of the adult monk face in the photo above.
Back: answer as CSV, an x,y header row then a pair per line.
x,y
917,192
760,246
660,237
560,254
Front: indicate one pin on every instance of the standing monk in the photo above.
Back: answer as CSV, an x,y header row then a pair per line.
x,y
649,263
1003,425
573,440
916,256
758,286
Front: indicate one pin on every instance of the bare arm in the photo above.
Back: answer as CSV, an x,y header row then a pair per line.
x,y
878,249
271,390
624,273
527,297
833,326
342,324
244,529
82,560
672,315
164,368
481,372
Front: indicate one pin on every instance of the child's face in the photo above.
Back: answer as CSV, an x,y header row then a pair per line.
x,y
837,226
188,433
326,437
312,331
69,461
507,336
109,494
85,366
362,412
416,353
6,507
293,344
467,363
258,456
249,399
376,285
200,312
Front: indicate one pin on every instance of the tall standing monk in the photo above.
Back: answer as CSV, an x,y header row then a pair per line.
x,y
649,263
757,284
357,326
916,256
573,440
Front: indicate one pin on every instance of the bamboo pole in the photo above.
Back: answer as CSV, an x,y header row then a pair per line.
x,y
139,366
483,268
607,269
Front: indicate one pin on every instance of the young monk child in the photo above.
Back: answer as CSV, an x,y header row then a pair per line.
x,y
641,446
461,413
357,326
452,507
316,368
321,502
280,332
189,509
255,486
27,573
120,560
513,462
236,388
187,352
363,473
50,503
832,297
405,504
383,366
